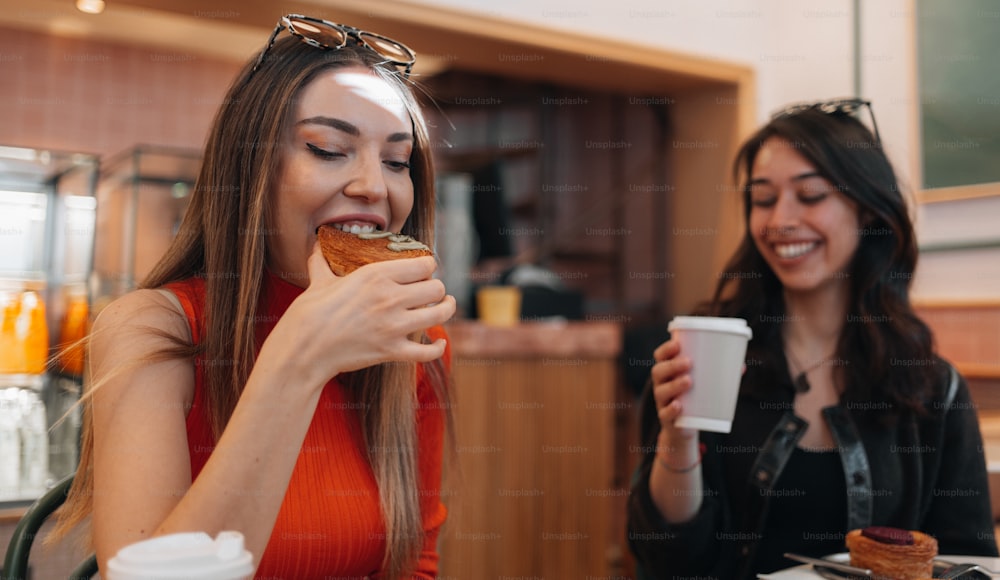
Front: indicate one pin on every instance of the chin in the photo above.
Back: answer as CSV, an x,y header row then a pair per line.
x,y
807,284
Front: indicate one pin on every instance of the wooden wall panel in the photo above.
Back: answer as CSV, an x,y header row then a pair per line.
x,y
536,495
967,334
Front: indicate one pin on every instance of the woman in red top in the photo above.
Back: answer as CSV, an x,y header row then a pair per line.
x,y
246,387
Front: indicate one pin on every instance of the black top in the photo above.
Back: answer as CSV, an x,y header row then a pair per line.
x,y
912,471
808,510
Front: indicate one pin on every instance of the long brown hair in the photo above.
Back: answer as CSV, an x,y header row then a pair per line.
x,y
222,238
882,336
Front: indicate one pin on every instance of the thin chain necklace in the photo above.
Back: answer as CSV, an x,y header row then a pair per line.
x,y
801,381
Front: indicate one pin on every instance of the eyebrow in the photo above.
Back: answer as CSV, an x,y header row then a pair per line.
x,y
799,177
350,128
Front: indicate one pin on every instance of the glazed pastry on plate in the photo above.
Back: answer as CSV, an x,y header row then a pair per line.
x,y
892,553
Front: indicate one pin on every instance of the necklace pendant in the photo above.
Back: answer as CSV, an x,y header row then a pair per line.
x,y
801,384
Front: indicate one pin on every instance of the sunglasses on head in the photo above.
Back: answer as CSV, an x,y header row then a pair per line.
x,y
326,35
833,107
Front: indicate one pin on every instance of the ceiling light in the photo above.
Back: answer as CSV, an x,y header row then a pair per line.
x,y
90,6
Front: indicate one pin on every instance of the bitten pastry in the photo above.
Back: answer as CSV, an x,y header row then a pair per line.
x,y
345,252
892,553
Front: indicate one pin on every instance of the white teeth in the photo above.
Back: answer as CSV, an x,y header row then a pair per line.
x,y
355,228
794,250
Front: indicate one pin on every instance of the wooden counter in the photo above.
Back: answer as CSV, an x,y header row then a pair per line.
x,y
536,339
967,333
538,493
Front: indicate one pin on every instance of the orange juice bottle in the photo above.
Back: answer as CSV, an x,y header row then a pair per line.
x,y
24,337
74,328
11,348
36,338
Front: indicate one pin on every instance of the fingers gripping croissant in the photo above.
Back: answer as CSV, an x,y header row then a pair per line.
x,y
346,252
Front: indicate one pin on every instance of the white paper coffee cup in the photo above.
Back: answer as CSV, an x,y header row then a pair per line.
x,y
716,347
187,556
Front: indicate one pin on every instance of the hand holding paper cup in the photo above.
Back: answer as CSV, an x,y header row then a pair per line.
x,y
716,347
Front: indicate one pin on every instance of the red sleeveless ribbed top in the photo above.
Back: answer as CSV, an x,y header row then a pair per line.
x,y
330,524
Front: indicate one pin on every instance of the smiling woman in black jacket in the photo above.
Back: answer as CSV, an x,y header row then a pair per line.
x,y
846,417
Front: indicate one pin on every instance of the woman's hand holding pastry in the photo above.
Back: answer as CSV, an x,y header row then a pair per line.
x,y
342,324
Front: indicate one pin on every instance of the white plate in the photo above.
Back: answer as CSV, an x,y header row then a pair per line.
x,y
806,572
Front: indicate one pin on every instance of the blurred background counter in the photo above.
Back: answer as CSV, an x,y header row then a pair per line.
x,y
540,411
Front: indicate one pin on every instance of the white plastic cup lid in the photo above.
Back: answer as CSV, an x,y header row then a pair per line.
x,y
188,556
711,323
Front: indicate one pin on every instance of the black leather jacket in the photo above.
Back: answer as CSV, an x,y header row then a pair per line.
x,y
923,473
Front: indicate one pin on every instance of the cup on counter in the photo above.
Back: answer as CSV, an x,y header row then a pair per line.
x,y
499,305
716,347
187,556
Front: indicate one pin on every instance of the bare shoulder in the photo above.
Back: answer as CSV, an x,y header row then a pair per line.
x,y
131,337
143,309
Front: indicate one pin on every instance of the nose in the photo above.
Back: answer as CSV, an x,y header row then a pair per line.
x,y
366,180
786,214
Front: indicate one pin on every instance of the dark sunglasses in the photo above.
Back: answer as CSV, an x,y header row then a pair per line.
x,y
326,35
833,107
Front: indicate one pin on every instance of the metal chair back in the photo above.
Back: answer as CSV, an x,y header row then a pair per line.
x,y
15,566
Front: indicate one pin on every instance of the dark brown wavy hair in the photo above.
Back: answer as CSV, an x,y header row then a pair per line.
x,y
884,350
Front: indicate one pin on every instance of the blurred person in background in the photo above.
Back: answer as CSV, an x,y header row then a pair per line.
x,y
846,416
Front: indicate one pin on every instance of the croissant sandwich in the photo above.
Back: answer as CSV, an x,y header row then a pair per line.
x,y
345,252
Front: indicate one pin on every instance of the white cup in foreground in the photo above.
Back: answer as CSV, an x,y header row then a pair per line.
x,y
716,347
187,556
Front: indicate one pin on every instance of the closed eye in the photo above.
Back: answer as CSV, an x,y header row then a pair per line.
x,y
323,153
812,199
398,166
813,189
762,196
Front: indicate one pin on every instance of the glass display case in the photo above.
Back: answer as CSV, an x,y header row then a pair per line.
x,y
142,194
47,228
